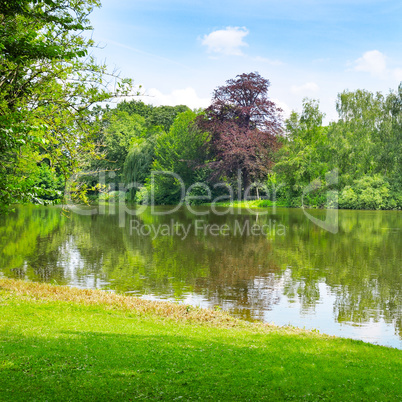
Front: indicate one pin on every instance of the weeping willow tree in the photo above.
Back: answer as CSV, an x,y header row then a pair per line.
x,y
137,166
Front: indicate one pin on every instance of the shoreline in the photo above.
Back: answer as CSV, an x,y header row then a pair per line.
x,y
65,343
252,204
165,309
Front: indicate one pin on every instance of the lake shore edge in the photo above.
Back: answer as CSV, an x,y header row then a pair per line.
x,y
324,367
264,204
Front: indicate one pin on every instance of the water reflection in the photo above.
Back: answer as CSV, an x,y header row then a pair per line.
x,y
347,284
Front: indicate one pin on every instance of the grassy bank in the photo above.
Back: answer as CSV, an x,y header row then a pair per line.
x,y
247,204
58,343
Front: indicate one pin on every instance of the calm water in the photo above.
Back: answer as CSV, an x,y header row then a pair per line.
x,y
279,268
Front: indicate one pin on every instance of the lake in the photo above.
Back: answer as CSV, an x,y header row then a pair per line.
x,y
275,265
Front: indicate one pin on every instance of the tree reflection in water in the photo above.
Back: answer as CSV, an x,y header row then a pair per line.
x,y
247,275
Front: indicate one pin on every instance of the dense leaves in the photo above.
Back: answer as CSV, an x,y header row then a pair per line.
x,y
127,140
51,126
243,125
364,146
177,151
48,84
165,150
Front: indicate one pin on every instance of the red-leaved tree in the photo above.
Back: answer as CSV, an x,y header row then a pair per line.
x,y
243,125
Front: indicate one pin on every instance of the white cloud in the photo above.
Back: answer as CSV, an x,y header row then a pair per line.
x,y
307,87
227,41
373,62
187,96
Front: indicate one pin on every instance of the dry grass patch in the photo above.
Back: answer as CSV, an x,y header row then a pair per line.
x,y
174,311
179,312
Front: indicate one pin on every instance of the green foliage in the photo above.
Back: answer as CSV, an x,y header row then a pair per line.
x,y
54,18
369,192
135,107
126,142
365,142
122,133
352,138
46,92
364,146
48,184
303,157
138,163
176,151
112,196
162,116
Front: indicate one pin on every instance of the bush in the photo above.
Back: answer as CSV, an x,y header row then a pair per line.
x,y
48,186
348,198
142,196
369,192
112,196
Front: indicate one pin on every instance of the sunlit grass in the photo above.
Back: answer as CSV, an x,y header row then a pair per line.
x,y
65,344
248,204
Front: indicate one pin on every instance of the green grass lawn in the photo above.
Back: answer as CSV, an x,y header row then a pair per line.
x,y
61,344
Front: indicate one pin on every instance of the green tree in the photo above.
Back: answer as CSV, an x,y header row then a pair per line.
x,y
162,116
165,116
177,151
366,146
121,134
135,107
304,154
48,83
352,137
138,163
389,137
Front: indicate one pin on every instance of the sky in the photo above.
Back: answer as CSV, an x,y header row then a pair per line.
x,y
181,50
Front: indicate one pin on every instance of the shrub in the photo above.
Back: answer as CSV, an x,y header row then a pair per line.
x,y
368,192
348,198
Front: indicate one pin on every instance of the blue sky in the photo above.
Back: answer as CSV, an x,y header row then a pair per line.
x,y
179,50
